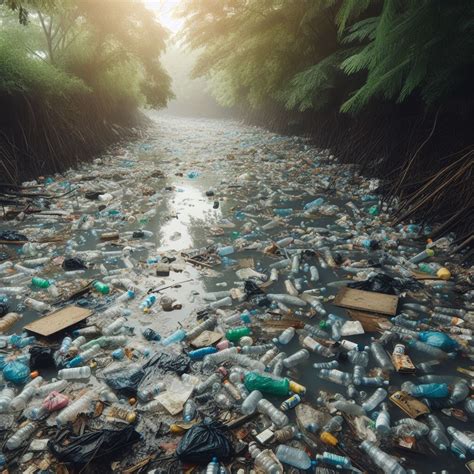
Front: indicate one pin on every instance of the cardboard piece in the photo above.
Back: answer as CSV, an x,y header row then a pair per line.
x,y
58,320
403,364
368,301
206,338
371,322
408,404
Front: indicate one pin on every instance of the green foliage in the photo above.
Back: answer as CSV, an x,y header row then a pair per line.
x,y
331,54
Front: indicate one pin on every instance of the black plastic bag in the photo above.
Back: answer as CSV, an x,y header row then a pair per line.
x,y
74,263
12,235
126,380
203,442
251,289
41,357
3,308
105,444
382,283
168,363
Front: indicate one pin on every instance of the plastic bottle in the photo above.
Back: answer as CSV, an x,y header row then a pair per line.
x,y
340,462
316,332
249,405
459,392
6,397
458,449
20,436
293,456
151,335
39,306
9,320
314,346
219,357
348,407
410,427
200,353
200,328
284,434
38,282
422,256
286,336
87,331
437,435
358,358
384,461
277,417
147,394
290,403
381,357
235,334
21,400
333,425
65,345
382,422
296,358
247,362
373,381
335,376
213,467
256,350
377,397
267,384
286,299
189,411
85,356
75,373
334,364
114,327
203,386
237,318
263,460
57,386
174,338
461,438
148,302
226,250
81,405
100,287
428,390
314,273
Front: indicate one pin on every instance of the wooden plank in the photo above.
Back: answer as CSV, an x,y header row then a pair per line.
x,y
58,320
367,301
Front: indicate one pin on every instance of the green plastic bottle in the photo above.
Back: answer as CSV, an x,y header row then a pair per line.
x,y
39,282
255,381
101,287
235,334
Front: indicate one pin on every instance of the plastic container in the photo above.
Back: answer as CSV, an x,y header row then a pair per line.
x,y
100,287
377,397
264,460
249,405
21,400
461,438
339,462
314,346
81,405
277,417
384,461
437,435
297,358
293,456
286,336
189,411
235,334
174,338
114,328
200,353
21,436
336,376
75,373
6,397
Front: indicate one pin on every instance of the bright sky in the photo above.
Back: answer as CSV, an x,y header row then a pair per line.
x,y
164,12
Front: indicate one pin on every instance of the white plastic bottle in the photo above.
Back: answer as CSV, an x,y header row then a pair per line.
x,y
28,392
293,456
276,416
249,405
6,397
21,436
81,405
75,373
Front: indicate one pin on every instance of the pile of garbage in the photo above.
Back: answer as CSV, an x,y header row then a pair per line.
x,y
301,332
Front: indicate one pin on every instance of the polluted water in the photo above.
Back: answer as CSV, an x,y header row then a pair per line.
x,y
218,297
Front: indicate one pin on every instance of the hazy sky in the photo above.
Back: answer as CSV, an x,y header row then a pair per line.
x,y
164,12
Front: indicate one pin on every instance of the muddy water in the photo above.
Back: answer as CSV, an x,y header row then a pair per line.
x,y
251,172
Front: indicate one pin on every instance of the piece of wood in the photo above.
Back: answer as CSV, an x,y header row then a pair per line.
x,y
369,301
58,320
206,338
408,404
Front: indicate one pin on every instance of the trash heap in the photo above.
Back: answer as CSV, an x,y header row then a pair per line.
x,y
301,332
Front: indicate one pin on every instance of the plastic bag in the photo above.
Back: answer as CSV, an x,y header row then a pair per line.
x,y
382,283
55,401
3,308
430,390
168,363
438,339
125,379
74,263
105,444
203,442
16,372
41,358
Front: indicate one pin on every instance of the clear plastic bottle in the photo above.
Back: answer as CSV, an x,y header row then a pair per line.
x,y
437,435
219,357
276,416
174,338
287,299
357,357
314,346
458,449
427,349
377,397
256,350
333,425
348,407
9,320
81,405
20,436
249,405
189,411
39,306
231,390
203,386
286,336
314,331
384,461
200,328
245,361
114,327
382,422
85,356
75,373
334,364
147,394
381,357
65,345
6,397
284,434
213,467
56,386
410,427
358,374
335,376
28,392
373,381
221,303
293,456
296,358
459,392
461,438
263,460
339,462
